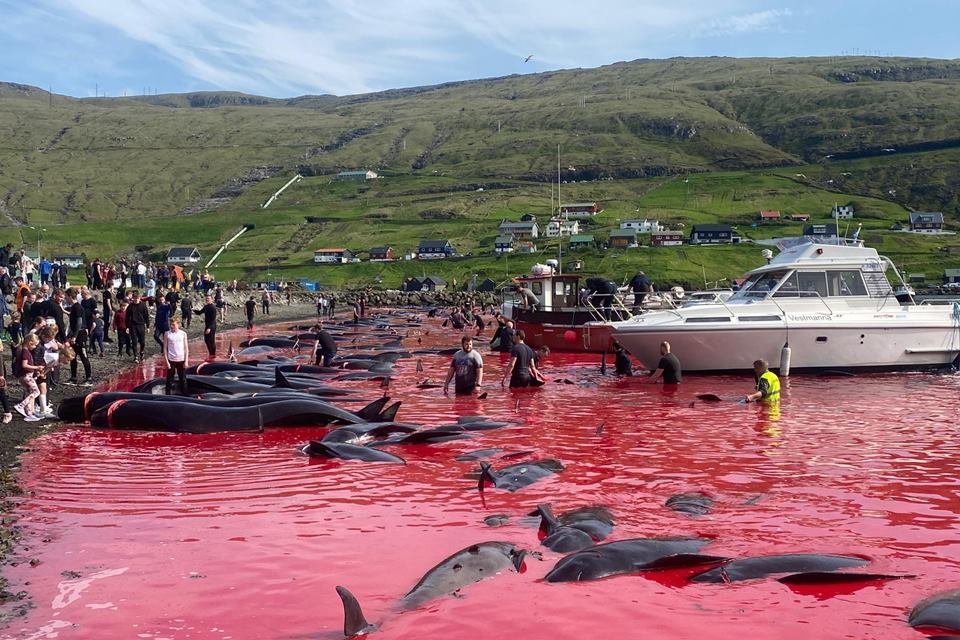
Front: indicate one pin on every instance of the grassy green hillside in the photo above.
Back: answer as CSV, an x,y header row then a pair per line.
x,y
399,211
682,140
67,159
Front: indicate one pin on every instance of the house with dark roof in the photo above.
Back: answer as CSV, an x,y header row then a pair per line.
x,y
926,221
503,244
381,254
183,255
435,249
711,234
528,230
487,286
623,238
824,230
951,275
412,284
433,283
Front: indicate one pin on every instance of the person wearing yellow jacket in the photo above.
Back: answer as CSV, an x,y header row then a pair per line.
x,y
768,384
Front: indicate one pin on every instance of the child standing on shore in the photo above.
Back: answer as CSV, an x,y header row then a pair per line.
x,y
25,370
96,333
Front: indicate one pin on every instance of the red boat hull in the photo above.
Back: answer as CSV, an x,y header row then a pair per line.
x,y
585,338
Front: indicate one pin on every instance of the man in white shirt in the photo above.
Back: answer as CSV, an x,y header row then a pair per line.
x,y
176,352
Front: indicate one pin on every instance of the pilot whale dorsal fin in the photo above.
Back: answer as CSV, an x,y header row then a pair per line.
x,y
548,521
354,624
281,381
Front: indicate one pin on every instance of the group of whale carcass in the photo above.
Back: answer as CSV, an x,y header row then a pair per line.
x,y
276,391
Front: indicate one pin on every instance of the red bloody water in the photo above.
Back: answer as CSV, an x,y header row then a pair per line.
x,y
234,536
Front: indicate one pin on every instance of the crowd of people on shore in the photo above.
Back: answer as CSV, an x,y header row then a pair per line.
x,y
54,318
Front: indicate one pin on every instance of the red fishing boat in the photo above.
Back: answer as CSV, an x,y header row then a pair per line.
x,y
561,321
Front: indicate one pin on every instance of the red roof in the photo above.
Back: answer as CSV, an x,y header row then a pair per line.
x,y
769,214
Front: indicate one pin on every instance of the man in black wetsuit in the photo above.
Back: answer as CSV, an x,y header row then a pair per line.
x,y
138,319
622,365
668,368
641,286
521,368
209,313
326,348
601,292
186,311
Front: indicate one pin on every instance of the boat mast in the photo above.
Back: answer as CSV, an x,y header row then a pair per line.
x,y
559,218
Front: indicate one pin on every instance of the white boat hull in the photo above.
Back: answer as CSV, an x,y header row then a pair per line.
x,y
813,347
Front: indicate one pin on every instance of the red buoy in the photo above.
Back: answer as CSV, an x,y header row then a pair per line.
x,y
570,336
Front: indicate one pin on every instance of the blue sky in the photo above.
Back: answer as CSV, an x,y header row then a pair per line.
x,y
289,48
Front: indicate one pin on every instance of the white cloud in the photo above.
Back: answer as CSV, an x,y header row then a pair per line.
x,y
353,46
768,20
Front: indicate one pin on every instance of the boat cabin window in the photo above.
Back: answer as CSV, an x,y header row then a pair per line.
x,y
846,283
788,288
811,283
761,284
537,287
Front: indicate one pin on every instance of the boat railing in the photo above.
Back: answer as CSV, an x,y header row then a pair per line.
x,y
803,294
617,310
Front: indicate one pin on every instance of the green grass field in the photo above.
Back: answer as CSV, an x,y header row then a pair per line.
x,y
685,141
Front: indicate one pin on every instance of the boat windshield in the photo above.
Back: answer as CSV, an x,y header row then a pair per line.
x,y
759,285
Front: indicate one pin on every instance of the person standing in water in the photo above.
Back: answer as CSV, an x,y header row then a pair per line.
x,y
466,369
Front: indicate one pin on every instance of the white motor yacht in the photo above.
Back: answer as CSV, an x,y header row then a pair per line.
x,y
830,303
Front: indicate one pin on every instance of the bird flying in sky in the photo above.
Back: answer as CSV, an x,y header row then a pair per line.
x,y
528,58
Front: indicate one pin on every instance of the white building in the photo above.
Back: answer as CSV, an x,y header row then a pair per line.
x,y
641,226
842,212
183,255
562,226
332,256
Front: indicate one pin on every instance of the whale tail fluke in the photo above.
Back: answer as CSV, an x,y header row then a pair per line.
x,y
486,475
354,624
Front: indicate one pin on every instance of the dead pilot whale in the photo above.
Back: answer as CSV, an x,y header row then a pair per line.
x,y
630,556
516,476
573,530
941,611
467,566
